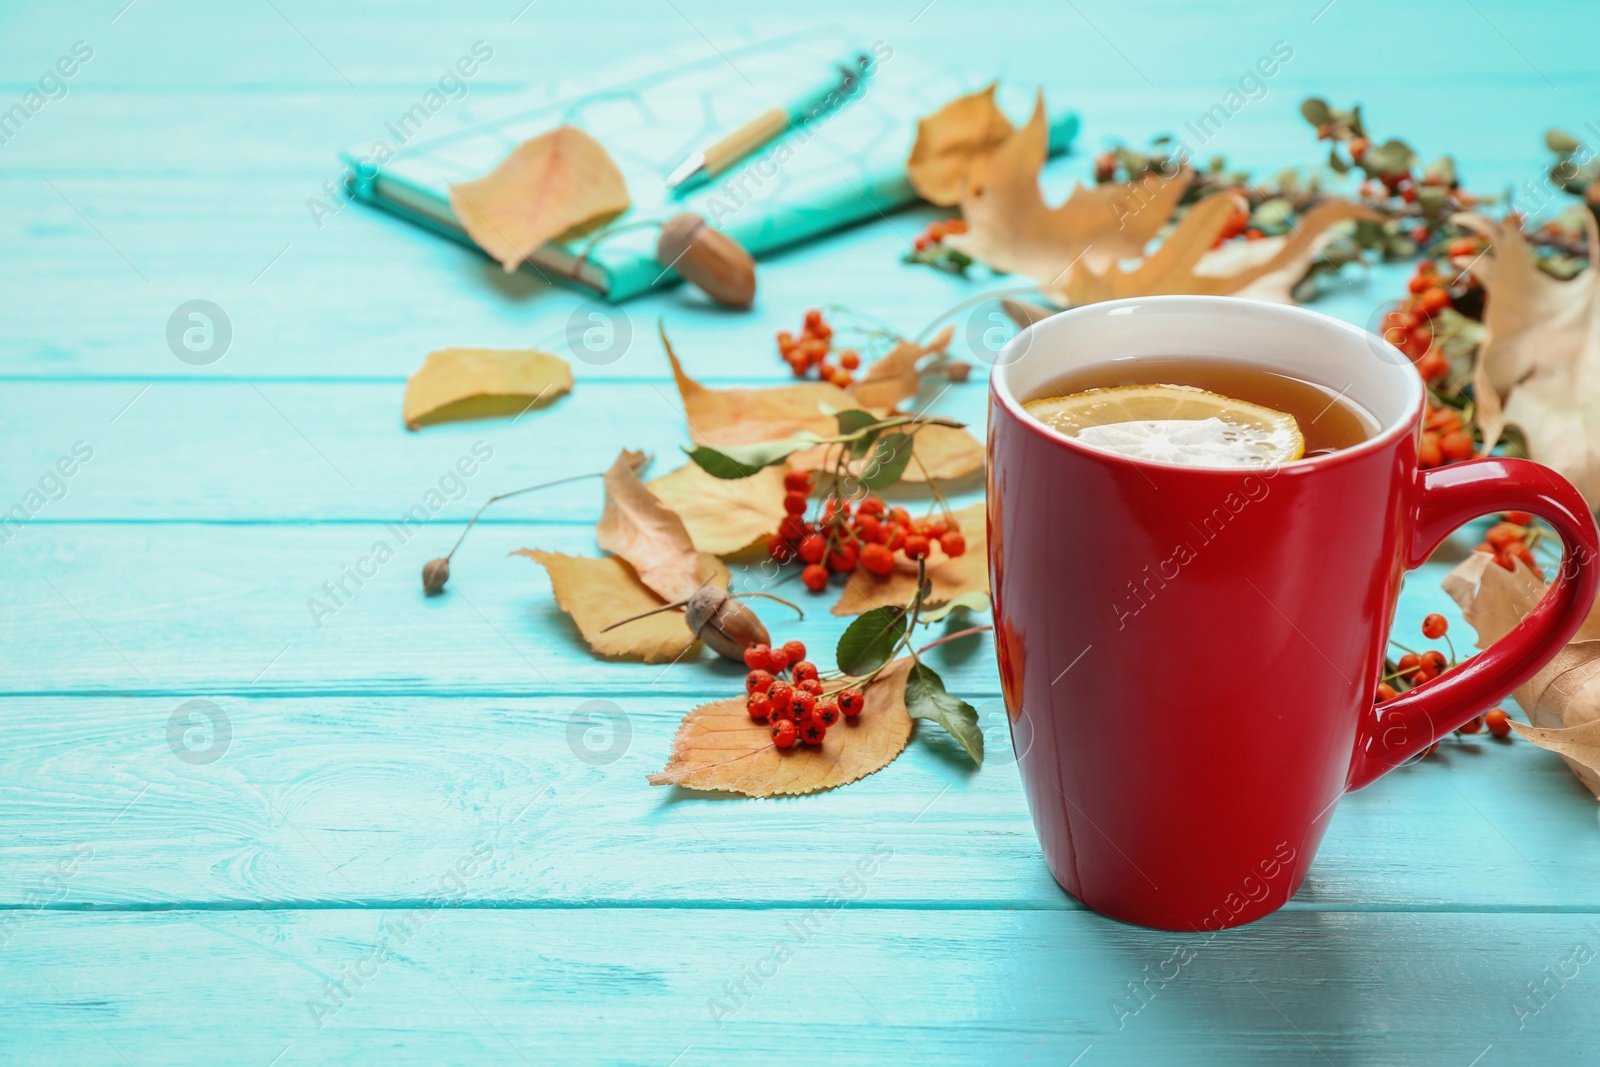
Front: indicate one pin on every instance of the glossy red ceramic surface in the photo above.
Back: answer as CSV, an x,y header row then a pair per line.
x,y
1189,655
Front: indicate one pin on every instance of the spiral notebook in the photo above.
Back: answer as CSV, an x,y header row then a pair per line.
x,y
844,167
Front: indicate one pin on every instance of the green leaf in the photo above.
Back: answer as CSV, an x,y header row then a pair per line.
x,y
741,461
926,699
867,643
1337,163
971,600
1315,110
855,420
1273,216
1441,170
1356,126
1391,157
888,462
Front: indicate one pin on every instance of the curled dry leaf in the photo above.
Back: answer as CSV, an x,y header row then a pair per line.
x,y
1012,229
751,416
599,592
950,578
723,515
1563,699
1539,368
954,146
476,383
893,376
637,526
719,748
549,186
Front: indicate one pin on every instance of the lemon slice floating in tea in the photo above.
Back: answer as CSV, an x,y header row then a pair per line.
x,y
1174,424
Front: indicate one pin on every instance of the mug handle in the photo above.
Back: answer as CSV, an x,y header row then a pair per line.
x,y
1446,498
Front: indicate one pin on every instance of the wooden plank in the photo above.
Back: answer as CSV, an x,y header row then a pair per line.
x,y
189,609
357,800
647,986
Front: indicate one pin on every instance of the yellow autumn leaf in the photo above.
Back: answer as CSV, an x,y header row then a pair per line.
x,y
745,416
548,186
599,592
954,146
1539,367
893,377
477,383
723,515
720,748
649,535
1562,701
966,573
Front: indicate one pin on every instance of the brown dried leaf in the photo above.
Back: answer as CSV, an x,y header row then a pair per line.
x,y
749,416
1012,229
723,515
893,376
476,383
954,146
968,572
549,186
719,748
1541,353
1560,700
599,592
647,533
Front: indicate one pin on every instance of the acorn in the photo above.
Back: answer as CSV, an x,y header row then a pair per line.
x,y
435,573
709,258
716,617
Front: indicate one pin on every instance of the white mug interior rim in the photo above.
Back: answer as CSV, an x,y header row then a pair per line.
x,y
1278,337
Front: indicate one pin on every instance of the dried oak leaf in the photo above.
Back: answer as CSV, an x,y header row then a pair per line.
x,y
723,515
599,592
966,573
1560,700
476,383
718,748
637,526
1539,367
550,185
1012,229
749,416
1184,262
954,146
893,376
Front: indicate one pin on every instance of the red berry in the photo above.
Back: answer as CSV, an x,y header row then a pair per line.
x,y
777,659
797,481
1408,664
849,359
1502,534
933,527
813,547
784,733
1433,300
827,709
795,503
757,682
809,685
1473,727
1434,626
1518,518
894,535
1456,446
1508,560
805,702
1498,722
868,528
900,515
792,528
851,701
813,730
755,657
877,560
1428,454
1433,660
870,506
842,560
794,651
1386,692
916,546
953,543
804,671
815,577
759,706
781,695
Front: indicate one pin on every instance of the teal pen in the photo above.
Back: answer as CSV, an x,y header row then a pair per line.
x,y
847,78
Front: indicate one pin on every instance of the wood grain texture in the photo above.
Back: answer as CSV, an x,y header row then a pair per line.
x,y
158,906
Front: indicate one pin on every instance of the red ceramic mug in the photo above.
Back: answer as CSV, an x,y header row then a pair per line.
x,y
1136,603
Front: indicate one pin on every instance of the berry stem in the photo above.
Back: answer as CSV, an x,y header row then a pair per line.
x,y
515,492
968,632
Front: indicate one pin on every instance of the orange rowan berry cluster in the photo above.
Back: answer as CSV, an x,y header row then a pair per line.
x,y
843,536
936,231
784,690
811,349
1414,668
1508,541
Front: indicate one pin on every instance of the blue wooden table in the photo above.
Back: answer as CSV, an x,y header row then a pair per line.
x,y
233,833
